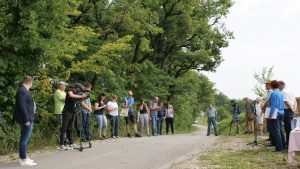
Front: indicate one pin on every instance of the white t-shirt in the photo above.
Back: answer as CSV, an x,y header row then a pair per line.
x,y
113,105
289,97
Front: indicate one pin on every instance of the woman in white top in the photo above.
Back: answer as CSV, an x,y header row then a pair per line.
x,y
259,115
170,119
112,108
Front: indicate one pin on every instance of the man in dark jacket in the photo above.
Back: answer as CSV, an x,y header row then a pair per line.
x,y
24,115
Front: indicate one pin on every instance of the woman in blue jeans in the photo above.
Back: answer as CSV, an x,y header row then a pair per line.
x,y
100,116
112,108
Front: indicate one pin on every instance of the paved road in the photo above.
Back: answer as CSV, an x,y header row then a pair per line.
x,y
126,153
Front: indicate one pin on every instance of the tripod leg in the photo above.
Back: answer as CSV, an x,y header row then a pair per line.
x,y
230,128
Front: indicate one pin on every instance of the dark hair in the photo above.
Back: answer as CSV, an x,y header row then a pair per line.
x,y
27,79
275,84
281,82
86,85
100,96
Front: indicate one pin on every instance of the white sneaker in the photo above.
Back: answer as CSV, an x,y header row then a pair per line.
x,y
73,146
31,160
63,148
27,163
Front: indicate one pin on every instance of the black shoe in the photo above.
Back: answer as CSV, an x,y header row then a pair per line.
x,y
137,135
207,134
217,135
128,135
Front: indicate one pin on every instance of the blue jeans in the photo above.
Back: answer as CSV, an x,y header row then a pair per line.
x,y
114,122
86,125
159,125
212,121
25,135
277,133
101,122
153,121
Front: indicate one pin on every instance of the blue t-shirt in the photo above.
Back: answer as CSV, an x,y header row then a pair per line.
x,y
130,102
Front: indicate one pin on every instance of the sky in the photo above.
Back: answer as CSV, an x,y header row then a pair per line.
x,y
267,33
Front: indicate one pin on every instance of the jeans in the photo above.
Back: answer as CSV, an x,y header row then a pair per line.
x,y
67,127
144,122
153,122
212,121
170,122
59,120
86,125
114,122
159,125
101,122
288,117
25,135
281,131
276,130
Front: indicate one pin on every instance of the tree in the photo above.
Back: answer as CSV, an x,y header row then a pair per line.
x,y
261,78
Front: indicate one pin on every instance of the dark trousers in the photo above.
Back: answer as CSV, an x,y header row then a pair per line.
x,y
86,125
67,127
114,122
25,135
288,117
169,122
277,133
212,121
159,125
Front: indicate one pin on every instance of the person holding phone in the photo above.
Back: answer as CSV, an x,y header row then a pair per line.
x,y
100,116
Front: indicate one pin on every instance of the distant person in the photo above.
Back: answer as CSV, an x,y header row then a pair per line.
x,y
267,106
290,109
128,102
72,104
144,117
249,116
170,119
153,106
24,115
160,118
113,108
259,115
276,116
86,111
235,115
99,113
211,119
59,102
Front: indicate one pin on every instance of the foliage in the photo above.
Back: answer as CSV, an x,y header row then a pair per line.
x,y
261,78
155,48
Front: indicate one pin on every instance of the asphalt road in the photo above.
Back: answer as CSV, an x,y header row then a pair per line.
x,y
126,153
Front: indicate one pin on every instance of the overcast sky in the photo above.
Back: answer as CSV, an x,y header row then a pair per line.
x,y
267,33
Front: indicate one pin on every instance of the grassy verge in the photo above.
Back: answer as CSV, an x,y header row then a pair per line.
x,y
234,153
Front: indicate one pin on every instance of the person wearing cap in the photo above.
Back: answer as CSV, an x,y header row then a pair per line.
x,y
59,104
249,116
72,102
128,102
86,112
290,109
276,116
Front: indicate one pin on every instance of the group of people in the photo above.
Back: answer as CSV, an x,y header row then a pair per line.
x,y
278,108
73,107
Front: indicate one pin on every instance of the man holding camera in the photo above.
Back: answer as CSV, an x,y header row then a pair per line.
x,y
72,104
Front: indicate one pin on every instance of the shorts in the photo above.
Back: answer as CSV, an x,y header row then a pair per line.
x,y
130,117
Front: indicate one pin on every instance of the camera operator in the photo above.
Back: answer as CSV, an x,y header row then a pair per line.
x,y
72,105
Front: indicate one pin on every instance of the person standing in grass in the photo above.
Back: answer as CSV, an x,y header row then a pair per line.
x,y
249,116
144,117
99,113
211,119
59,104
170,119
259,116
24,114
113,108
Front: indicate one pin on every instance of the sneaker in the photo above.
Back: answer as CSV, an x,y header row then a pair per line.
x,y
114,137
29,159
73,146
118,136
105,137
27,163
63,148
137,135
102,138
128,135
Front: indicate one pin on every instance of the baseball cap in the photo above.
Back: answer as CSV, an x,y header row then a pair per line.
x,y
268,82
61,83
79,86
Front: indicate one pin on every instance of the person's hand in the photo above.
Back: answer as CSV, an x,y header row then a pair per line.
x,y
27,124
83,96
90,110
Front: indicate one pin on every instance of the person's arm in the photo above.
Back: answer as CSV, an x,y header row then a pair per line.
x,y
62,97
111,108
23,107
75,96
96,106
85,106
